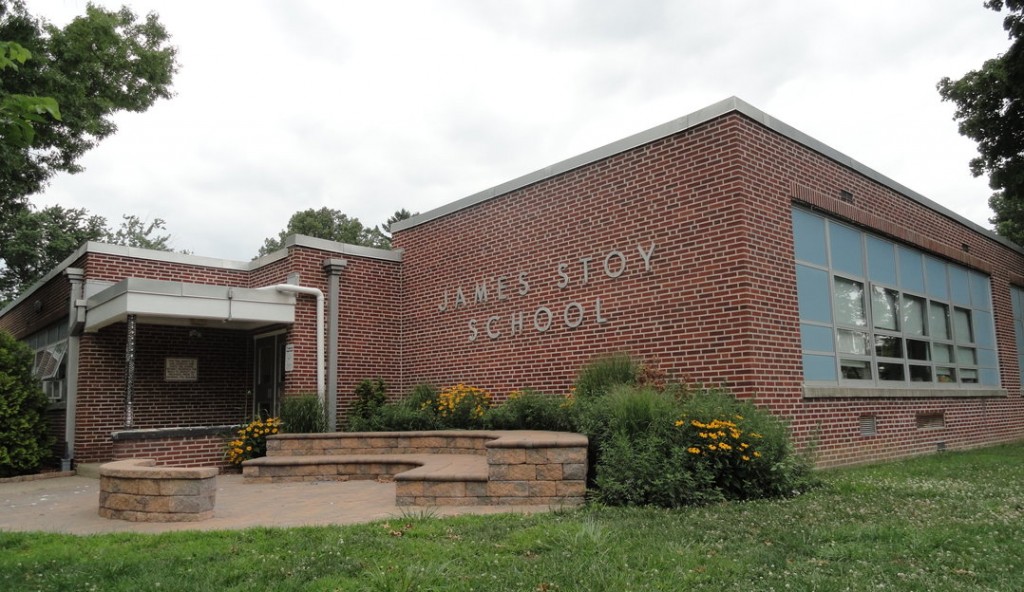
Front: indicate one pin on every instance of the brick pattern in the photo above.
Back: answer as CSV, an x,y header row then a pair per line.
x,y
718,305
179,451
437,468
138,491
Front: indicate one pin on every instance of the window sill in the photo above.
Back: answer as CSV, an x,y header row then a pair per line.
x,y
851,392
181,432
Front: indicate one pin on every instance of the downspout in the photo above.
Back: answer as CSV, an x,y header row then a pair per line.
x,y
333,268
76,323
321,388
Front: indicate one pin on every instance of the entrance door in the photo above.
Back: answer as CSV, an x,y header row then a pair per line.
x,y
269,379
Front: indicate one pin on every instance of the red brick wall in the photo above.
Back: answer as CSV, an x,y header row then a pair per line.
x,y
369,322
218,397
718,305
191,451
54,300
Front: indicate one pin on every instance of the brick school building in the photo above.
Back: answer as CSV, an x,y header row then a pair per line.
x,y
724,247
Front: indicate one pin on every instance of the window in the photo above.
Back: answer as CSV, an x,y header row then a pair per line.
x,y
1017,295
877,313
51,345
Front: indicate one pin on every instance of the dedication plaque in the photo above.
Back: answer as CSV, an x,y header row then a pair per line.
x,y
181,369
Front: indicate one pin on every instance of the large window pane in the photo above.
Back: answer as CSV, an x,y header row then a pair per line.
x,y
819,368
890,371
855,369
813,295
887,346
920,373
913,315
885,312
881,261
943,353
945,375
984,331
935,273
959,286
847,254
917,350
852,342
816,338
911,270
938,321
809,237
962,325
987,358
967,356
988,376
849,303
981,292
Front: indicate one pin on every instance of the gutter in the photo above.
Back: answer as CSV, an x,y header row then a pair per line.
x,y
321,381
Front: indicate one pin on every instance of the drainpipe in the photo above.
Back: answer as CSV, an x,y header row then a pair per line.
x,y
321,389
333,268
76,320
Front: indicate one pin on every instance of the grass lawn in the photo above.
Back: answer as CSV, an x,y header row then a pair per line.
x,y
953,521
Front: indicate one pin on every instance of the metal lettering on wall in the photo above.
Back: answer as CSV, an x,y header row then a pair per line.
x,y
564,276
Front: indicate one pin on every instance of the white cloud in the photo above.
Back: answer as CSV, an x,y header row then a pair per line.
x,y
372,107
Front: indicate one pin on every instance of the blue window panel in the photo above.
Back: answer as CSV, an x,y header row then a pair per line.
x,y
881,261
959,285
988,376
935,272
981,291
984,331
987,358
819,368
846,250
911,270
817,338
813,294
809,237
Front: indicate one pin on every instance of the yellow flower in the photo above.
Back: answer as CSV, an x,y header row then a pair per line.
x,y
693,450
725,446
745,457
757,454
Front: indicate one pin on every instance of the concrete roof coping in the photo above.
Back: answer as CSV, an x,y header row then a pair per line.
x,y
201,261
714,111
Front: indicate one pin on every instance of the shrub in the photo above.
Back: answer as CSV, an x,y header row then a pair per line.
x,y
530,410
370,395
303,415
413,413
251,440
24,443
747,449
460,406
659,448
600,374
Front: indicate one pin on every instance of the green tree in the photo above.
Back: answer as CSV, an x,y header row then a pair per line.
x,y
135,232
34,242
990,110
24,443
329,224
101,63
19,113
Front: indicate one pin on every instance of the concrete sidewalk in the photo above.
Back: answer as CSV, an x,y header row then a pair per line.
x,y
71,505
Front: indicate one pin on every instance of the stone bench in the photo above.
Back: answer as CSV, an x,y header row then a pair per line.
x,y
437,468
139,491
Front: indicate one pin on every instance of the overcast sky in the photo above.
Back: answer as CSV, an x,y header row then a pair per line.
x,y
368,107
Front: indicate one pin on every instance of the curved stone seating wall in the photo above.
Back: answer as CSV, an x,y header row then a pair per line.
x,y
139,491
437,468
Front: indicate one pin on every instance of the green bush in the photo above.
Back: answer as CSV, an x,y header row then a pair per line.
x,y
24,442
530,410
370,395
676,447
413,413
602,373
303,414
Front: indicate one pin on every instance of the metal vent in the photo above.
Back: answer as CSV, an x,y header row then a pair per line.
x,y
931,421
868,425
846,196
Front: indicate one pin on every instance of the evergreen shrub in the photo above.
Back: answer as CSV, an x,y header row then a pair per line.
x,y
24,442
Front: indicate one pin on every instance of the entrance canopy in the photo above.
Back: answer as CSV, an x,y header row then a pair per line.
x,y
191,305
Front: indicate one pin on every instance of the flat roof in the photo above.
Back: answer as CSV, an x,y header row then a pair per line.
x,y
730,105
